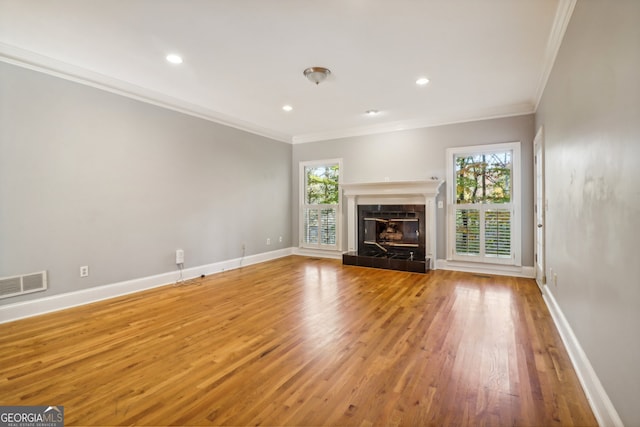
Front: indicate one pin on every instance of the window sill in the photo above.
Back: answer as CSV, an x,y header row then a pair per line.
x,y
486,268
319,253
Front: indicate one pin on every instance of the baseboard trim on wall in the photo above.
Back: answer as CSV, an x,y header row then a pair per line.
x,y
500,270
22,310
318,253
601,405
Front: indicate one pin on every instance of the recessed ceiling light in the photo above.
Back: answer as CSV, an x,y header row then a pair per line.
x,y
287,108
422,81
372,112
174,59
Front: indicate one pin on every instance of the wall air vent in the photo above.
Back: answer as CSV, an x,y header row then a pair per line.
x,y
25,284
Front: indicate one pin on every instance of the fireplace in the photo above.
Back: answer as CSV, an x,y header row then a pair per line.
x,y
391,225
394,230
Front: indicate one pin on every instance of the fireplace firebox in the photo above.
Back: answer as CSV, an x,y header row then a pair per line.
x,y
391,237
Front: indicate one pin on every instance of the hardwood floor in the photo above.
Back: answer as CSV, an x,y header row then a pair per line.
x,y
301,341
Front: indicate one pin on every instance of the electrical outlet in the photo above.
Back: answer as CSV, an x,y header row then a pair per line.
x,y
555,279
268,241
179,256
280,239
84,271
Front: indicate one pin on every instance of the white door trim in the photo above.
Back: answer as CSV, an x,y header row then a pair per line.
x,y
540,206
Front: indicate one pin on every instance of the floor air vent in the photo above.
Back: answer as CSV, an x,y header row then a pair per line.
x,y
25,284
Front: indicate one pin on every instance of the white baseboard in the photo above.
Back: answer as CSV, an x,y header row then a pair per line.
x,y
21,310
601,405
500,270
318,253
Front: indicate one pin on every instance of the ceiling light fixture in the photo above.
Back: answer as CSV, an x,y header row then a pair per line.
x,y
372,112
174,59
317,74
422,81
287,108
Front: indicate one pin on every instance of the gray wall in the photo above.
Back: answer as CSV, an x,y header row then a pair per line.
x,y
92,178
591,116
420,154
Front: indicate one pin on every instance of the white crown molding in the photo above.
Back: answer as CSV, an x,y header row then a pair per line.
x,y
35,61
47,65
487,114
559,27
22,310
601,405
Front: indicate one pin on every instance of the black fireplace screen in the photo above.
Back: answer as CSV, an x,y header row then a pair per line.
x,y
392,229
398,232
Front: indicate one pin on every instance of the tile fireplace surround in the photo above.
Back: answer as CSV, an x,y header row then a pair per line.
x,y
392,193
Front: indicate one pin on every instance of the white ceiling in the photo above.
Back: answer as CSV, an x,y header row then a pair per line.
x,y
243,59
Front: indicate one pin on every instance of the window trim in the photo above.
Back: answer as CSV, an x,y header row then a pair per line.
x,y
302,204
515,204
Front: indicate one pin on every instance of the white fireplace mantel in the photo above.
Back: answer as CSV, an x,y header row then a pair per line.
x,y
392,193
428,188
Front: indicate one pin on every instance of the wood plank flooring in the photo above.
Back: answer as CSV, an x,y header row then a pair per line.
x,y
301,342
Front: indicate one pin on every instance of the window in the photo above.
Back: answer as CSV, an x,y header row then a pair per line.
x,y
320,204
484,203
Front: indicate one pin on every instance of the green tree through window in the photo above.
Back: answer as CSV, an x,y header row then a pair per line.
x,y
483,210
322,185
483,178
321,205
